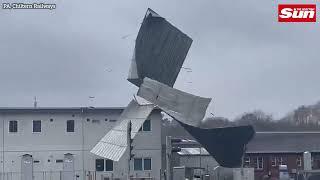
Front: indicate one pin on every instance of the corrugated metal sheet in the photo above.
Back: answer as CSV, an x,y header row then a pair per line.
x,y
184,107
193,151
114,143
160,51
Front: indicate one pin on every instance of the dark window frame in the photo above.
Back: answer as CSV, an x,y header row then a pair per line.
x,y
109,165
146,126
70,127
99,167
33,126
13,128
59,160
139,164
138,167
144,164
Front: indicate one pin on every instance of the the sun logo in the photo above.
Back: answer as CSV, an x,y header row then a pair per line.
x,y
297,13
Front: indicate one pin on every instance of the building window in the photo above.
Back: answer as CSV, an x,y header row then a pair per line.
x,y
147,163
97,121
247,161
109,165
36,126
137,164
273,161
99,164
280,161
142,164
146,126
258,163
299,161
13,126
70,126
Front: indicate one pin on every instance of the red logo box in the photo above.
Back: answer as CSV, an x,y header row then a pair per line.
x,y
297,13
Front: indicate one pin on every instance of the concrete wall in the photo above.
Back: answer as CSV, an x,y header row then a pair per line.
x,y
53,142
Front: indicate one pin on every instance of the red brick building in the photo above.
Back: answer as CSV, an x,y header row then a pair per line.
x,y
268,150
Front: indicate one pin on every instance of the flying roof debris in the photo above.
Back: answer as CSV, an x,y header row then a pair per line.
x,y
158,56
182,106
226,145
114,143
160,51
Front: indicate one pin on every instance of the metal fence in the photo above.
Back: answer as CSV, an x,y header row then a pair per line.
x,y
58,175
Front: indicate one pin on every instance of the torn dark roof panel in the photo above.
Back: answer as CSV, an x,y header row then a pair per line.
x,y
160,51
226,145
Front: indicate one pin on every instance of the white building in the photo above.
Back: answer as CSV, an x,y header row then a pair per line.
x,y
50,140
199,159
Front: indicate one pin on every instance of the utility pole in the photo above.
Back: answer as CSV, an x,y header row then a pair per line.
x,y
130,147
168,158
169,151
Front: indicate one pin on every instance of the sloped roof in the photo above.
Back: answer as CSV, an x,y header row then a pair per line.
x,y
58,109
18,110
284,142
271,142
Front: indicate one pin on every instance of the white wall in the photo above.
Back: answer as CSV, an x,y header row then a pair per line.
x,y
206,162
53,142
1,142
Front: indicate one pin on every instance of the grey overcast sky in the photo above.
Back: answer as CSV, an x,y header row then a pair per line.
x,y
241,56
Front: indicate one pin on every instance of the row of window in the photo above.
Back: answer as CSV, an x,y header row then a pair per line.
x,y
57,161
139,164
258,162
36,126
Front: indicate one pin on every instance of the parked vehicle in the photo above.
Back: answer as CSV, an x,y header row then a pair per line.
x,y
283,172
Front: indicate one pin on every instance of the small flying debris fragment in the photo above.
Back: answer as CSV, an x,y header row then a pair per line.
x,y
109,70
91,97
125,36
186,68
